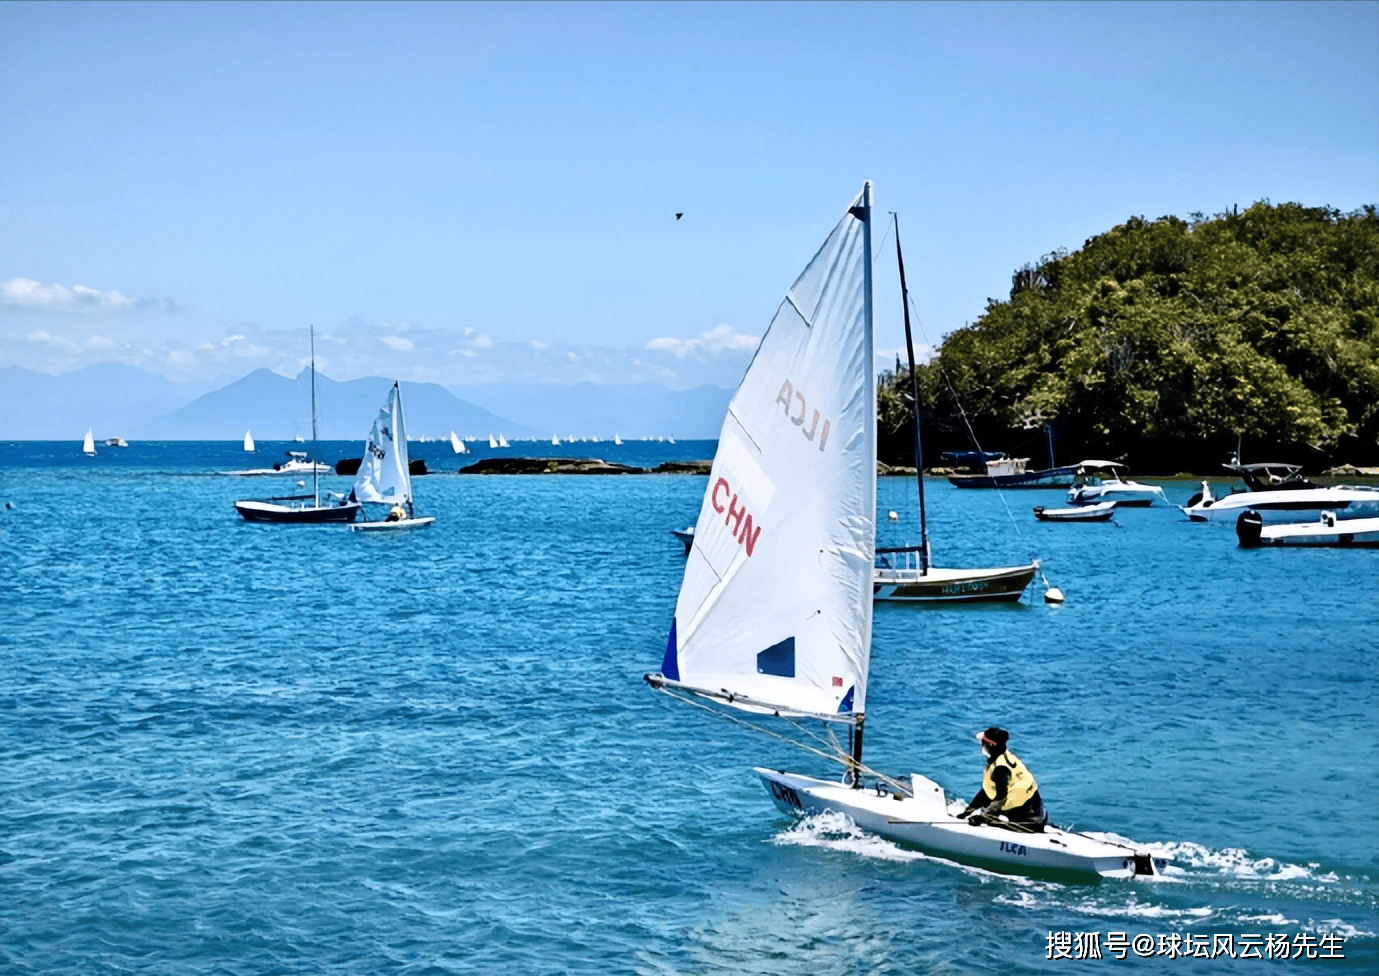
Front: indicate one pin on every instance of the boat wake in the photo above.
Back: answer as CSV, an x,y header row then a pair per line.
x,y
1199,887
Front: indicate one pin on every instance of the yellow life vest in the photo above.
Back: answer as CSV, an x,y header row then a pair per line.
x,y
1021,786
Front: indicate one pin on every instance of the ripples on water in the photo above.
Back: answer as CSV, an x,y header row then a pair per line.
x,y
273,749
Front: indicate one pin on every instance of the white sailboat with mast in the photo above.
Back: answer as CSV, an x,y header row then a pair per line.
x,y
906,574
774,615
384,476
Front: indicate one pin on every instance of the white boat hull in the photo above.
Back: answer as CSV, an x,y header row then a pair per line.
x,y
394,526
1289,505
1359,533
923,822
1082,513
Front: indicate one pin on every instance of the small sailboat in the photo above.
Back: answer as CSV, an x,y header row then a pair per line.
x,y
555,442
457,445
299,509
492,442
502,441
88,445
617,440
384,475
248,442
905,574
774,616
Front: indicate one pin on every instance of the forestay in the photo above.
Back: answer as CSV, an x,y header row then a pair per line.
x,y
383,474
774,612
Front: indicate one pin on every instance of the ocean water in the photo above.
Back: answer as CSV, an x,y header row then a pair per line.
x,y
249,749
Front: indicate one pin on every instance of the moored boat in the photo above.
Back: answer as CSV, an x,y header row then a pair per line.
x,y
1099,512
1326,531
1101,481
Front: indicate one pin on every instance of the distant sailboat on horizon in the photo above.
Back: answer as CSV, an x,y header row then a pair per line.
x,y
457,445
249,442
88,445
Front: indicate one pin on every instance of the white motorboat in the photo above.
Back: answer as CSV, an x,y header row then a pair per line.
x,y
1101,481
385,476
1285,505
774,616
298,462
1329,531
1100,512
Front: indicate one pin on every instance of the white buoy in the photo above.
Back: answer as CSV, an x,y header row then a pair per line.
x,y
1053,595
893,516
301,484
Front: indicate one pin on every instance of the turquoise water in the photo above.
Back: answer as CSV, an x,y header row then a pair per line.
x,y
233,748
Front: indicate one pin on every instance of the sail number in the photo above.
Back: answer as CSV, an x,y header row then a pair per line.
x,y
786,795
789,397
737,518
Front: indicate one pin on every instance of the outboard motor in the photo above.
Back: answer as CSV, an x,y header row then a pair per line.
x,y
1248,528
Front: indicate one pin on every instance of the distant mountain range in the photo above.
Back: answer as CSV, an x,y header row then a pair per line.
x,y
118,400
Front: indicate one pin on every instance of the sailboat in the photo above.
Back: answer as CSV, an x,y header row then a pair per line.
x,y
905,573
492,442
502,441
301,508
384,477
88,445
457,445
774,616
249,442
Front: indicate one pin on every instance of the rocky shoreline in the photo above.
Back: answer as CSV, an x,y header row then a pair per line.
x,y
570,465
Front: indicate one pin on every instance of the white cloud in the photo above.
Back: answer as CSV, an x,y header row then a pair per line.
x,y
100,342
396,343
718,340
29,294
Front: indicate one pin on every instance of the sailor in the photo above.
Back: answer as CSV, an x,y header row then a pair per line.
x,y
1008,789
397,513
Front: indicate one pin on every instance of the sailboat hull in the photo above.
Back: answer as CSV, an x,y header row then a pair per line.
x,y
922,822
911,585
394,526
272,511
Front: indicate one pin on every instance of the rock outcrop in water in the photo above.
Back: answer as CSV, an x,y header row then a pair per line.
x,y
569,465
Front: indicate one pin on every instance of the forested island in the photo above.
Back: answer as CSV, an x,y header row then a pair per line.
x,y
1168,343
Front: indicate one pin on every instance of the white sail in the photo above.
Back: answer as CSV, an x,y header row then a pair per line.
x,y
248,441
502,441
456,444
383,474
492,441
774,612
88,445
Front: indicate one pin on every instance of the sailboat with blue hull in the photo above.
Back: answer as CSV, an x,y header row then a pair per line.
x,y
773,621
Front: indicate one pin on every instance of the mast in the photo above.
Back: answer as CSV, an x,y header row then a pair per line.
x,y
315,477
855,769
914,399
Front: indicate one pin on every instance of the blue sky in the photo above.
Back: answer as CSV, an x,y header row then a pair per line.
x,y
470,193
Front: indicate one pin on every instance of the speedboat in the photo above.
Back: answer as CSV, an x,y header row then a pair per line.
x,y
1358,533
1101,481
1285,505
297,463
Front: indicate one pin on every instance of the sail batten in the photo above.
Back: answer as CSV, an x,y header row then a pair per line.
x,y
774,612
